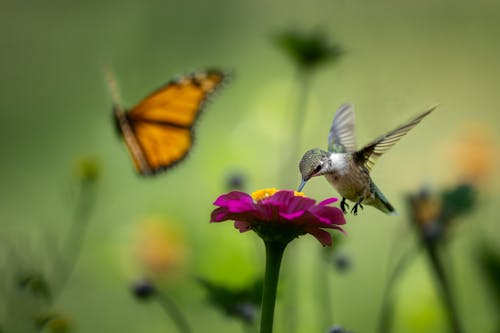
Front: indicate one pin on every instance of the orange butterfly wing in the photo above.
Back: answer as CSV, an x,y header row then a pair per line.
x,y
158,130
162,145
179,102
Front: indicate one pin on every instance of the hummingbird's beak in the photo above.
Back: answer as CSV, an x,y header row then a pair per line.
x,y
301,186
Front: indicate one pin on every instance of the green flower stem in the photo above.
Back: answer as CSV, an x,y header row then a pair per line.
x,y
274,253
174,312
442,280
387,311
74,240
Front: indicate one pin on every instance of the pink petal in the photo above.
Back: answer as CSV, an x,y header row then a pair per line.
x,y
219,214
299,204
223,214
235,201
322,236
233,195
279,199
292,216
330,215
268,211
242,226
328,201
336,227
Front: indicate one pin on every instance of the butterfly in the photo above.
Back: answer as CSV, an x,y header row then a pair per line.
x,y
158,131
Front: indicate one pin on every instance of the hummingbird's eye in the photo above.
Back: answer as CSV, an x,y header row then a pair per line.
x,y
317,169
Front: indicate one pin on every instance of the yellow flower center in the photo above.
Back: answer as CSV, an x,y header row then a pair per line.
x,y
263,193
269,192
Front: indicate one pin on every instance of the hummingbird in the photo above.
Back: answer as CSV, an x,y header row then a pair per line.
x,y
348,169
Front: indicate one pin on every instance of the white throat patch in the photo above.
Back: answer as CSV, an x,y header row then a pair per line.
x,y
338,161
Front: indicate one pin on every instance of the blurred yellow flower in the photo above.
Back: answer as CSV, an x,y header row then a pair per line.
x,y
88,169
53,322
59,325
161,249
425,208
475,153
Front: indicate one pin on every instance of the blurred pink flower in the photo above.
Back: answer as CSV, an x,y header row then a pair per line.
x,y
161,248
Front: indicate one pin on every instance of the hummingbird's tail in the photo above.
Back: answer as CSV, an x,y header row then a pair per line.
x,y
380,202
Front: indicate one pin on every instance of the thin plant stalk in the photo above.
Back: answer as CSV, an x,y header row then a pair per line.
x,y
74,240
173,312
442,280
274,254
387,309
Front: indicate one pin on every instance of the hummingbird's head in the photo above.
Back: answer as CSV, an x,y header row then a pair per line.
x,y
315,162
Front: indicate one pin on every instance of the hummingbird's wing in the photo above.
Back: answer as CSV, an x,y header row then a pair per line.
x,y
369,154
341,137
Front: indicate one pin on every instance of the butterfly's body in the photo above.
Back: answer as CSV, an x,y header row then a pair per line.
x,y
122,124
348,169
158,131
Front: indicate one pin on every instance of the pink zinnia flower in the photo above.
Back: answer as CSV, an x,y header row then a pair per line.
x,y
279,215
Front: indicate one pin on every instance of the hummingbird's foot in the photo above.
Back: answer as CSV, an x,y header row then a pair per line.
x,y
354,209
343,205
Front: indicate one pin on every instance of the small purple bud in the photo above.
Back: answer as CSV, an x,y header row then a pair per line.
x,y
235,181
342,262
143,289
246,311
337,329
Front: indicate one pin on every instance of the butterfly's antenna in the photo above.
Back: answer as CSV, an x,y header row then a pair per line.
x,y
124,125
113,87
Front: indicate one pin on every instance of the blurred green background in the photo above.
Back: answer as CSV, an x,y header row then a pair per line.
x,y
400,58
